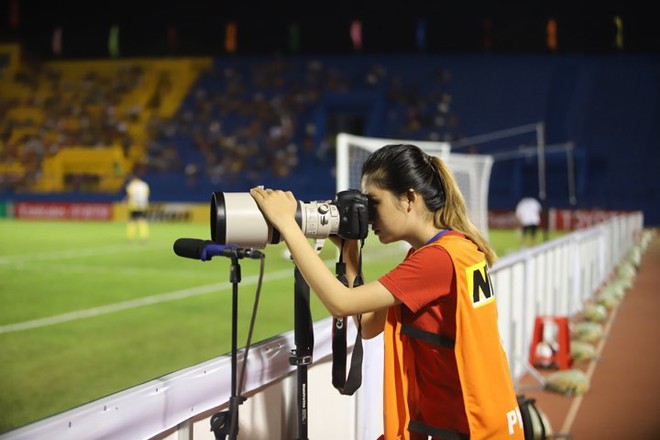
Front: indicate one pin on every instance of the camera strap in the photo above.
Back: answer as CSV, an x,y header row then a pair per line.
x,y
347,385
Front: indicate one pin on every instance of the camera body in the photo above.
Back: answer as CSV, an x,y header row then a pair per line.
x,y
237,219
353,207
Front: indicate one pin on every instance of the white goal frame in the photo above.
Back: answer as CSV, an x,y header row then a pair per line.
x,y
472,171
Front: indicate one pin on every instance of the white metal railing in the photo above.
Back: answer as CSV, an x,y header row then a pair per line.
x,y
554,278
557,278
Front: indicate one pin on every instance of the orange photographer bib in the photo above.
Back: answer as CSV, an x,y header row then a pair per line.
x,y
485,379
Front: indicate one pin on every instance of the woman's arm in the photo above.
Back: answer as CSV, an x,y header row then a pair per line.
x,y
279,207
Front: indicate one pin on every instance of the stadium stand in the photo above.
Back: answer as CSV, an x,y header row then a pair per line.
x,y
245,102
272,120
80,126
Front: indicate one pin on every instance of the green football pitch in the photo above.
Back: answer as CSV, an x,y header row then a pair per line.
x,y
86,313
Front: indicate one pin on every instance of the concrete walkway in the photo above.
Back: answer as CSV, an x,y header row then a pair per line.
x,y
623,401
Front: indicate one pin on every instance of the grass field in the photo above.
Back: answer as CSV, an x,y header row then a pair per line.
x,y
85,313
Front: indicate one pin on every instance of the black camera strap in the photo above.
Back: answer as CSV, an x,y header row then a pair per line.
x,y
347,385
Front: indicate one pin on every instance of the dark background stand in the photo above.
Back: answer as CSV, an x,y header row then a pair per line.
x,y
301,356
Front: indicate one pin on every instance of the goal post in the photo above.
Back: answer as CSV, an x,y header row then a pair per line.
x,y
353,150
471,171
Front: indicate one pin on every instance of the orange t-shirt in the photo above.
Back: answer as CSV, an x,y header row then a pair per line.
x,y
466,389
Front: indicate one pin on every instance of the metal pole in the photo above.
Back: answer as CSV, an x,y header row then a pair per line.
x,y
302,354
234,401
500,134
540,142
570,163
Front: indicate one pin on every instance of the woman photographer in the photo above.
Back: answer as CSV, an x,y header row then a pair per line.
x,y
446,372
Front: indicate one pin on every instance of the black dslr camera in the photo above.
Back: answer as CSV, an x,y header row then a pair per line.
x,y
353,209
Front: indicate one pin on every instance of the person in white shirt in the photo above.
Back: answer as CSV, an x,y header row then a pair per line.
x,y
528,214
137,200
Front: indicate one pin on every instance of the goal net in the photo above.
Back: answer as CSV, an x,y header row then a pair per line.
x,y
471,171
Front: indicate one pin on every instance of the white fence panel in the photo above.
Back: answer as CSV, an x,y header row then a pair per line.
x,y
554,278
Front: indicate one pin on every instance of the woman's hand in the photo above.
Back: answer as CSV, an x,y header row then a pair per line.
x,y
279,207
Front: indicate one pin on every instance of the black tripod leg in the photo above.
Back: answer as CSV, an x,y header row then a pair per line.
x,y
304,340
225,423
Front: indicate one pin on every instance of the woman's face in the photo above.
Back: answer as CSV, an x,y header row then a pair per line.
x,y
387,212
